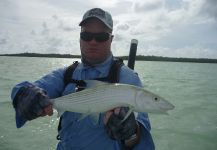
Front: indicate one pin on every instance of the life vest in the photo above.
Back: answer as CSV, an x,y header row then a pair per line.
x,y
113,77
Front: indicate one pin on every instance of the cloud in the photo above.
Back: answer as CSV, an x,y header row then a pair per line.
x,y
45,29
163,27
194,51
147,6
64,27
55,17
209,9
3,41
33,32
118,37
122,27
104,4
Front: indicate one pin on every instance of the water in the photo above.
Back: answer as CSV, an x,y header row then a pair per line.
x,y
191,87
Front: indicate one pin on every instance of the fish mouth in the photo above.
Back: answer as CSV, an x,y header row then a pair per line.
x,y
167,106
171,107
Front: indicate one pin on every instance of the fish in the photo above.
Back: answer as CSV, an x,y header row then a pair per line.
x,y
99,97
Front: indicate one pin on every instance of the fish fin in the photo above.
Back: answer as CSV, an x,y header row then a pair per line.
x,y
128,113
83,116
59,113
93,83
165,113
95,117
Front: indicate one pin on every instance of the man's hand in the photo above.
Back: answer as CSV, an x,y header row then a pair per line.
x,y
32,102
117,129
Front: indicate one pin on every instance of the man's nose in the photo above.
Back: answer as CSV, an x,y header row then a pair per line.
x,y
93,41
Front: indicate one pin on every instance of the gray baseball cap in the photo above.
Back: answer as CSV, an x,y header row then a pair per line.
x,y
100,14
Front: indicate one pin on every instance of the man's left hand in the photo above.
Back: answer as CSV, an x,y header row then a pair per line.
x,y
117,129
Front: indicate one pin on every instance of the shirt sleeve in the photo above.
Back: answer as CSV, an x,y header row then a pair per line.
x,y
128,76
52,83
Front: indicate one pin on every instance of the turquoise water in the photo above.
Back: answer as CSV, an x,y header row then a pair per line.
x,y
191,87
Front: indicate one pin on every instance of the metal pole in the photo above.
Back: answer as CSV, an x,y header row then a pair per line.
x,y
132,54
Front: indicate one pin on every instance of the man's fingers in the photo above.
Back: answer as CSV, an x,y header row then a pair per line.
x,y
107,116
48,110
117,110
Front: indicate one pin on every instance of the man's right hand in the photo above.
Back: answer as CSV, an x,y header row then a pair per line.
x,y
32,102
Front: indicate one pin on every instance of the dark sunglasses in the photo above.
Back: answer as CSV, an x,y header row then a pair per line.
x,y
99,37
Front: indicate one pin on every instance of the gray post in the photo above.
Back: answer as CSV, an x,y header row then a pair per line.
x,y
132,54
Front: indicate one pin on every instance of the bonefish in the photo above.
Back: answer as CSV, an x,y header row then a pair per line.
x,y
100,97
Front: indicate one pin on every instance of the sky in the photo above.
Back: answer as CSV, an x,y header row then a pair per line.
x,y
169,28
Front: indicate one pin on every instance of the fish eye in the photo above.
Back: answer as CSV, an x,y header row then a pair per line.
x,y
156,99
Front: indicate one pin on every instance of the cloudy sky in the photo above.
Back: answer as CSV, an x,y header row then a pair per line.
x,y
172,28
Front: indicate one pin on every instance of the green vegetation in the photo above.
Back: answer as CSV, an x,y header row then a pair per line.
x,y
160,58
138,58
42,55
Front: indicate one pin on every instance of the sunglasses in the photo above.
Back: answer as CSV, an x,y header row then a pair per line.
x,y
99,37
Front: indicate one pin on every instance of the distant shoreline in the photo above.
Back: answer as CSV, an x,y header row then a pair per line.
x,y
138,57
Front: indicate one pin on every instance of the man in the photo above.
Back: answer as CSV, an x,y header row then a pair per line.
x,y
31,100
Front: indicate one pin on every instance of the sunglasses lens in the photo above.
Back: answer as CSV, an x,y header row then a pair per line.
x,y
99,37
102,37
86,36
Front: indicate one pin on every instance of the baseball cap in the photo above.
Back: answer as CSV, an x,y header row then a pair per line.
x,y
100,14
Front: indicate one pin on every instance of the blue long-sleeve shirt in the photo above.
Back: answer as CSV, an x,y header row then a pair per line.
x,y
85,133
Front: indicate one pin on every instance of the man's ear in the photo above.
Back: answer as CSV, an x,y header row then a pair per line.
x,y
112,38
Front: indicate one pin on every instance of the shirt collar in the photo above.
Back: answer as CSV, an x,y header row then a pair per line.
x,y
102,67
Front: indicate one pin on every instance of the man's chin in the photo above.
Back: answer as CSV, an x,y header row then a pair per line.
x,y
93,60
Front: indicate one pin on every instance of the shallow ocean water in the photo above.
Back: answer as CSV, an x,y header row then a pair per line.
x,y
191,87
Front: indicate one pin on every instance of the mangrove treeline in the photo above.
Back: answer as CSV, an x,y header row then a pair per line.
x,y
138,57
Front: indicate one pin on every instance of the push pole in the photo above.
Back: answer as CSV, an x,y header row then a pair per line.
x,y
132,54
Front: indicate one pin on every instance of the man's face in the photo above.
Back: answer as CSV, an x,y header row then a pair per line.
x,y
92,51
